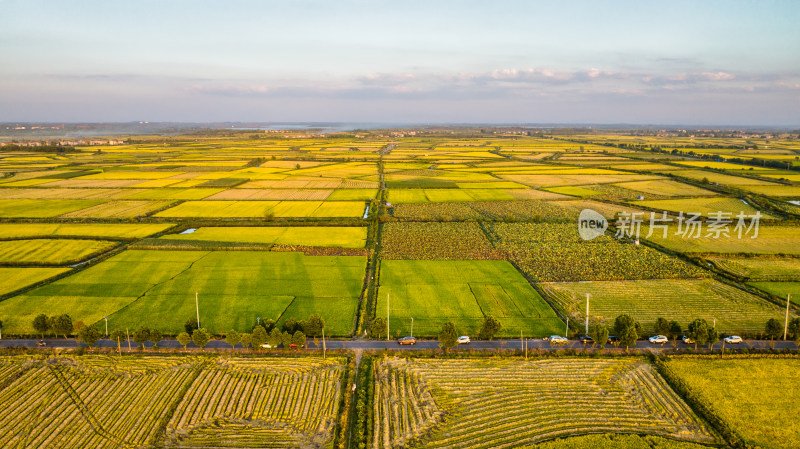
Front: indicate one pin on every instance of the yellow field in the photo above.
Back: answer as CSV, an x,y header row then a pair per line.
x,y
272,194
65,194
25,208
15,278
565,180
666,187
47,251
704,206
345,237
265,209
122,230
118,209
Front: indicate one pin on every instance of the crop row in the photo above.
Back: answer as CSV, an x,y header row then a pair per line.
x,y
480,404
403,408
555,252
442,241
69,402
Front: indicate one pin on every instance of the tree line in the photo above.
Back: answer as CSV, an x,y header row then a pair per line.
x,y
291,333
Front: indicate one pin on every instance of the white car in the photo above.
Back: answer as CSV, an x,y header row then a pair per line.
x,y
463,340
659,339
733,339
687,340
557,340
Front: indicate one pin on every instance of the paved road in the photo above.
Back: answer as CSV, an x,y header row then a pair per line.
x,y
392,345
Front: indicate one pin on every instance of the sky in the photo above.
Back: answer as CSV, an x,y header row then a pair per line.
x,y
600,62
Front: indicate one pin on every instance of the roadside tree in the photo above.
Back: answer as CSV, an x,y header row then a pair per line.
x,y
313,327
599,334
448,337
201,337
89,335
275,338
184,339
41,323
773,329
233,338
190,325
699,332
141,336
258,337
490,327
61,324
245,340
118,337
377,327
155,337
662,326
299,339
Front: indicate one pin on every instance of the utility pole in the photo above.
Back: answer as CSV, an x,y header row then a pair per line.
x,y
567,331
786,323
412,326
587,314
324,348
129,339
119,347
106,318
197,307
387,316
521,341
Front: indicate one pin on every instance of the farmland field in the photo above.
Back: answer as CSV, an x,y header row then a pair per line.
x,y
119,209
681,300
778,191
117,230
478,403
703,206
761,269
104,402
262,209
431,241
434,292
780,289
555,252
16,278
754,393
770,240
50,251
235,287
346,237
29,208
666,188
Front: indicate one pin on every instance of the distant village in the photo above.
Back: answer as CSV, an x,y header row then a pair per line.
x,y
66,143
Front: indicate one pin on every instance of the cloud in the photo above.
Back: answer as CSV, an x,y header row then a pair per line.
x,y
504,83
717,76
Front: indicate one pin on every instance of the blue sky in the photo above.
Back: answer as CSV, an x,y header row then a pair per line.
x,y
670,62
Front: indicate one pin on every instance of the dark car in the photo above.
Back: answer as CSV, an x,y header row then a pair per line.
x,y
586,340
613,339
407,341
